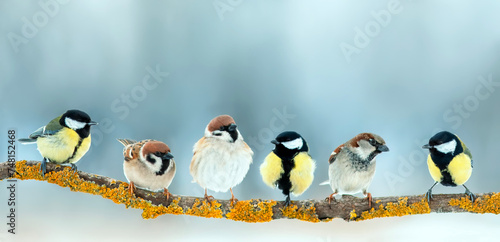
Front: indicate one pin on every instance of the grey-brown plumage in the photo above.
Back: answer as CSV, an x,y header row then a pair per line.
x,y
352,165
148,164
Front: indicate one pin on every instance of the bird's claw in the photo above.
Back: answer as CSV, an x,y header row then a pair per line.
x,y
208,197
131,188
330,198
369,195
287,201
428,195
43,167
470,194
233,200
166,193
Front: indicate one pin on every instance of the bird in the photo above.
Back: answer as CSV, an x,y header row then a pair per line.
x,y
221,157
289,166
148,164
449,162
352,165
64,140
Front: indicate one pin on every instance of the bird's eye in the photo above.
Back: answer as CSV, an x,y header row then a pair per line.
x,y
372,142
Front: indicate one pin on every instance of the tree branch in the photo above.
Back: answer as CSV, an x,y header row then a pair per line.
x,y
256,210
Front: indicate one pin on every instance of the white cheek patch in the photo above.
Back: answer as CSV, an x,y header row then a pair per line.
x,y
130,151
447,147
293,144
73,124
154,167
157,165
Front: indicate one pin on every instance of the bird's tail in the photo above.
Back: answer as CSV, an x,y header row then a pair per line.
x,y
27,141
126,142
325,183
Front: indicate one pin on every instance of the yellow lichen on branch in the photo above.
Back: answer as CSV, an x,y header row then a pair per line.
x,y
256,210
306,212
206,209
486,204
252,211
394,209
69,178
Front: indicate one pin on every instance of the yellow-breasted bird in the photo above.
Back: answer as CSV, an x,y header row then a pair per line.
x,y
449,161
64,140
289,166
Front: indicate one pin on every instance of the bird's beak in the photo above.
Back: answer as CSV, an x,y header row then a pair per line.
x,y
383,148
168,156
426,146
232,127
92,123
275,142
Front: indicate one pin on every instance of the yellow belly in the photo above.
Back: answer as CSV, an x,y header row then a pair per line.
x,y
459,168
302,175
434,170
271,170
60,147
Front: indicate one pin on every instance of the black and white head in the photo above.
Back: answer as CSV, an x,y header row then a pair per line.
x,y
78,121
155,155
289,143
367,145
224,128
444,143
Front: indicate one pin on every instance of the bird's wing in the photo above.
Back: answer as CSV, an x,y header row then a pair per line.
x,y
126,142
43,131
467,152
333,156
33,136
52,127
40,132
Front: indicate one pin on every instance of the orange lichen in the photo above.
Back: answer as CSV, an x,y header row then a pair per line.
x,y
246,211
353,215
306,212
485,204
174,208
120,195
395,209
205,209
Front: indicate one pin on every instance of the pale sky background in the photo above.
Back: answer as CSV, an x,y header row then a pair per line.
x,y
400,69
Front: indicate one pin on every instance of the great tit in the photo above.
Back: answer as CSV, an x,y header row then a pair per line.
x,y
449,162
64,140
289,166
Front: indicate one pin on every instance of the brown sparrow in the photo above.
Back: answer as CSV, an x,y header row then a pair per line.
x,y
221,158
352,165
148,165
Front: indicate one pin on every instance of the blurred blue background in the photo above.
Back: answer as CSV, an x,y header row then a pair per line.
x,y
326,69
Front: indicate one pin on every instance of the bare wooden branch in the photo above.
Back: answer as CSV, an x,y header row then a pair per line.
x,y
348,208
